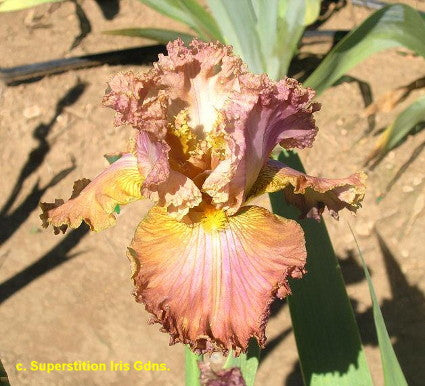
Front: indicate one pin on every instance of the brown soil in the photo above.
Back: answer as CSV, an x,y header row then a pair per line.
x,y
67,298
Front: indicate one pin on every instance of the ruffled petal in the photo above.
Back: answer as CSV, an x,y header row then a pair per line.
x,y
260,116
164,186
138,102
94,202
210,280
200,77
211,120
311,194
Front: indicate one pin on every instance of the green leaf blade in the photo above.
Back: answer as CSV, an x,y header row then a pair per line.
x,y
279,27
160,35
405,121
396,132
392,26
312,11
393,375
169,8
188,12
267,27
191,365
325,329
237,22
201,19
248,363
291,28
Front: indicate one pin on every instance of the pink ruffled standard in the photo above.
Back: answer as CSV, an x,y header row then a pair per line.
x,y
206,265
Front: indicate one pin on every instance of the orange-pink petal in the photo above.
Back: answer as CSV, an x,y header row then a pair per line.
x,y
210,279
94,202
164,186
311,194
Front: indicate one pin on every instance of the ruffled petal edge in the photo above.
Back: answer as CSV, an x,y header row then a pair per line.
x,y
94,202
311,194
210,282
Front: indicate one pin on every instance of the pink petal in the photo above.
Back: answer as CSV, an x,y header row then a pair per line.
x,y
200,77
223,377
164,186
213,121
260,116
137,102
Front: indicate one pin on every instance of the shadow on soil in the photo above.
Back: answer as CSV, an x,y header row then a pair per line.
x,y
11,220
109,8
58,255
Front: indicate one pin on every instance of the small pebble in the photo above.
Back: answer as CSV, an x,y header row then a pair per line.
x,y
405,253
407,189
32,112
63,119
364,228
417,180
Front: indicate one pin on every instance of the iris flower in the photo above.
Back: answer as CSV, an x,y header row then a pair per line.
x,y
206,263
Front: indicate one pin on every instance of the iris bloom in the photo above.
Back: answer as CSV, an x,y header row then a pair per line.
x,y
205,263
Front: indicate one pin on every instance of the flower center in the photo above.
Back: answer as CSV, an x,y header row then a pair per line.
x,y
183,132
214,219
202,150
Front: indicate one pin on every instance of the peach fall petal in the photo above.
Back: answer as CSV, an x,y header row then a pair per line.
x,y
210,280
311,194
94,202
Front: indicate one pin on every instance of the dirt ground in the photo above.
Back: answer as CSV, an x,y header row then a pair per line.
x,y
67,298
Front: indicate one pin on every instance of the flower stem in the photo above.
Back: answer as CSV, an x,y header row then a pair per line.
x,y
192,369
